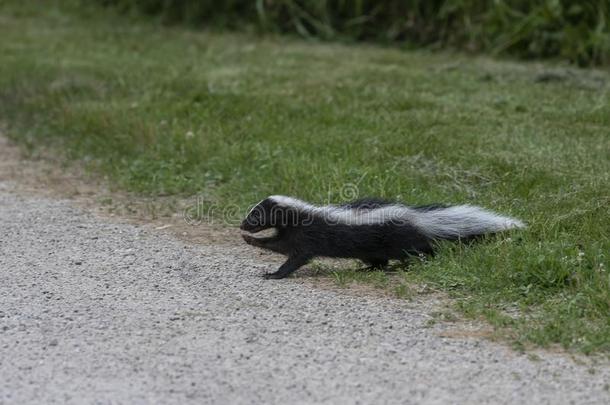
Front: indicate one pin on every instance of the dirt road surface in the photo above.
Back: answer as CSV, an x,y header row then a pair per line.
x,y
94,310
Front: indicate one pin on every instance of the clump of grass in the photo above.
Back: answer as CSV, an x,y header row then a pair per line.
x,y
235,118
548,291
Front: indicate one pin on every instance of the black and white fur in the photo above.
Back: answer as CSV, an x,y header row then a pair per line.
x,y
372,230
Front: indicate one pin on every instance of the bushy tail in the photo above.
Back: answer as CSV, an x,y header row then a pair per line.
x,y
461,222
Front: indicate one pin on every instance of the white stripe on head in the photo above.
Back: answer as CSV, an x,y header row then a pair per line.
x,y
254,207
292,202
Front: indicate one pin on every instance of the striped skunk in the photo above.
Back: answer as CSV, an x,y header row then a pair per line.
x,y
372,230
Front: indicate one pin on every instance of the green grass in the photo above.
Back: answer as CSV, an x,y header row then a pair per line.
x,y
235,118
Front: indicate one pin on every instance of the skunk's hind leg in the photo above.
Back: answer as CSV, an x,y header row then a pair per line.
x,y
289,267
375,264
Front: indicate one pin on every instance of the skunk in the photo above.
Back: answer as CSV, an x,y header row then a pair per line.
x,y
372,230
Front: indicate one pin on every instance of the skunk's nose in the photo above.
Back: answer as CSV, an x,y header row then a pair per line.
x,y
242,226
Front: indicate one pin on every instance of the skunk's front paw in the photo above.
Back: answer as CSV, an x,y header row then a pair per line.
x,y
249,239
272,276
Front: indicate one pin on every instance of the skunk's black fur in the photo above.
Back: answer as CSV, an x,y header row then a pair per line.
x,y
372,230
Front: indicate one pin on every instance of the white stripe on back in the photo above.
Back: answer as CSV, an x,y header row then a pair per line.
x,y
451,222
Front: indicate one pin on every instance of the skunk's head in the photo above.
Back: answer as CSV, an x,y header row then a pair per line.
x,y
259,217
272,212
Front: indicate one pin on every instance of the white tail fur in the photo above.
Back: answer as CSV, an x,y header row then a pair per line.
x,y
461,221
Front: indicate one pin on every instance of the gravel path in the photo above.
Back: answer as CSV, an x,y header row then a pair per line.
x,y
93,311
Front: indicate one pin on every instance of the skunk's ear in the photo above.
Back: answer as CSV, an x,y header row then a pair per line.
x,y
283,215
259,217
264,212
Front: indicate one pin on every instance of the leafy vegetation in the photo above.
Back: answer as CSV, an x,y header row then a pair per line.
x,y
575,30
234,118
